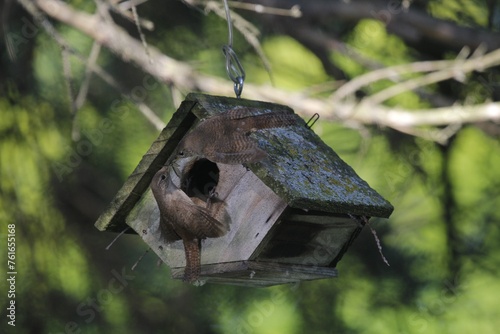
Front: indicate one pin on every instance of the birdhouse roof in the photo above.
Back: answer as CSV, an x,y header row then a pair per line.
x,y
300,167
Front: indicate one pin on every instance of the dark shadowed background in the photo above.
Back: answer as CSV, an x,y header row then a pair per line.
x,y
77,117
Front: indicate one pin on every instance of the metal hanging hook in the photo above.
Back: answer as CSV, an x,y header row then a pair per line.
x,y
234,69
310,123
229,24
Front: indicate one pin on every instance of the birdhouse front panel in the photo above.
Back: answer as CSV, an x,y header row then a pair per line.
x,y
253,209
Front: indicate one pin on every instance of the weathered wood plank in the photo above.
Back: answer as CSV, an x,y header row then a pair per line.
x,y
113,219
322,218
254,273
251,205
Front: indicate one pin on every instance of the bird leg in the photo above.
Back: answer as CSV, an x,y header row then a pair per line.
x,y
211,195
193,264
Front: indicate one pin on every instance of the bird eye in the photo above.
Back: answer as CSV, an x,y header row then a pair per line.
x,y
163,177
181,153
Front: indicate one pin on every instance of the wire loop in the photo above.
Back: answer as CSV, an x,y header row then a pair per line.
x,y
234,69
310,123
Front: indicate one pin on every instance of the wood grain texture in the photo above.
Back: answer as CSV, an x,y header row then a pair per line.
x,y
253,208
259,274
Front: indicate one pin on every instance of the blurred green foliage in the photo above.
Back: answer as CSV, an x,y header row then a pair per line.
x,y
53,188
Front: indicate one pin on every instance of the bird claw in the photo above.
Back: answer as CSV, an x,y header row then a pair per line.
x,y
196,281
211,195
199,282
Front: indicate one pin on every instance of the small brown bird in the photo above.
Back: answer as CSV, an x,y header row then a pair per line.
x,y
225,137
181,218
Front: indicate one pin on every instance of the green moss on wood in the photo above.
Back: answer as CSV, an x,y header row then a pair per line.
x,y
300,167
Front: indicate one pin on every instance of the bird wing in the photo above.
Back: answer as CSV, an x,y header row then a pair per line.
x,y
237,148
206,225
198,220
250,155
238,113
245,119
167,231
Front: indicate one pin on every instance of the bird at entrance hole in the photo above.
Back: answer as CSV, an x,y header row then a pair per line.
x,y
181,217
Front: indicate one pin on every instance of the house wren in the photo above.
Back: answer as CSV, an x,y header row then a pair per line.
x,y
224,138
182,218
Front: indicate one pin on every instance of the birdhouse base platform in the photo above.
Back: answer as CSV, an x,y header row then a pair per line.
x,y
258,274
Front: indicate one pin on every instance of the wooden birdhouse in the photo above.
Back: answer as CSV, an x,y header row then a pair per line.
x,y
293,215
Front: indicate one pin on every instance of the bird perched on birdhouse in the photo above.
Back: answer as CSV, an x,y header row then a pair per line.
x,y
184,218
243,192
222,138
225,137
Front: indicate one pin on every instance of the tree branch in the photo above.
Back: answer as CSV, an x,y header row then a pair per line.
x,y
185,78
411,24
456,69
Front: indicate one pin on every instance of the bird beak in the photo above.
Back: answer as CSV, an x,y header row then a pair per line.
x,y
176,168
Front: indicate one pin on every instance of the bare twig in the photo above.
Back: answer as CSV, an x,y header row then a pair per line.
x,y
411,23
393,73
68,79
396,117
294,11
4,29
185,78
456,69
377,240
139,30
143,108
116,238
139,259
91,63
440,136
122,9
176,96
364,221
248,30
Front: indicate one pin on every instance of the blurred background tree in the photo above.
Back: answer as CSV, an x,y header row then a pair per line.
x,y
408,95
